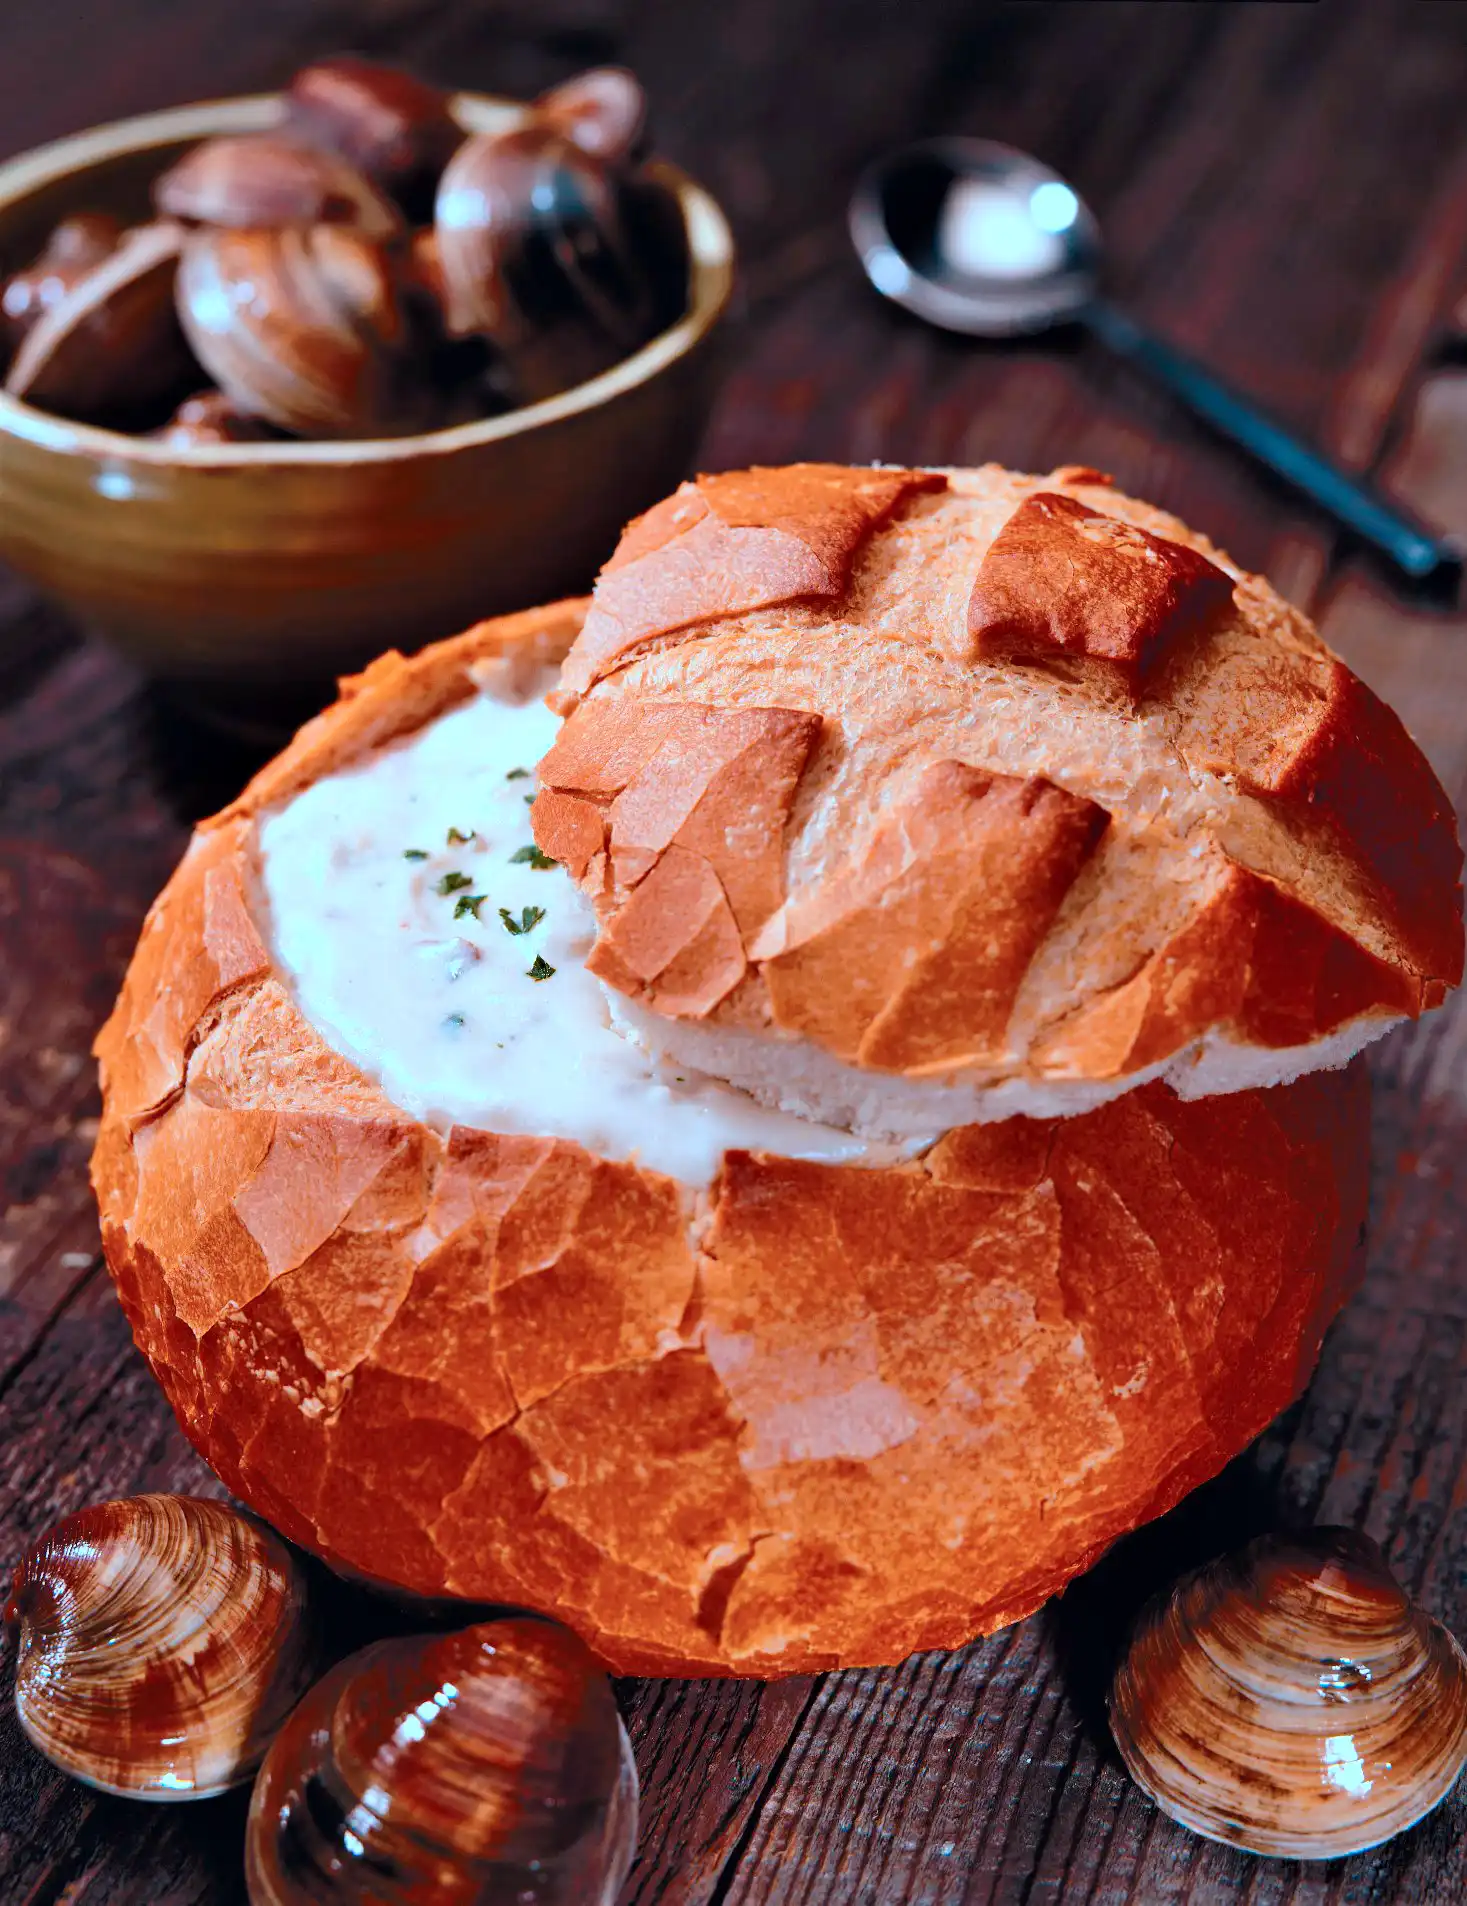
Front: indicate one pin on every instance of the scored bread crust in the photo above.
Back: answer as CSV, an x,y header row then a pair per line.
x,y
1052,797
822,1416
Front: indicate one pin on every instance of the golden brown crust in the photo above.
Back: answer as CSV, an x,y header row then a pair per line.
x,y
1063,580
1305,732
914,964
192,953
723,545
1251,958
1011,628
674,818
869,1411
676,942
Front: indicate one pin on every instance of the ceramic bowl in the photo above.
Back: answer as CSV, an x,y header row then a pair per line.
x,y
255,571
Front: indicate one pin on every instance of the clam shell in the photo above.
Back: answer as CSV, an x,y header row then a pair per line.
x,y
111,345
264,182
301,327
76,245
603,111
163,1640
1291,1700
208,418
393,127
486,1765
534,254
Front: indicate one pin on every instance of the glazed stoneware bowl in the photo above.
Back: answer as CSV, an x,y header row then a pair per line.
x,y
251,573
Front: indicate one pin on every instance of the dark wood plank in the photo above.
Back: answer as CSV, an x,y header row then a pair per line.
x,y
1282,189
708,1753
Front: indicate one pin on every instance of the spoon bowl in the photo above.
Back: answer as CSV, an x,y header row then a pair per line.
x,y
976,237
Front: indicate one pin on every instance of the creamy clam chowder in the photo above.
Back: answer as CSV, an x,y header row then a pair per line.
x,y
429,940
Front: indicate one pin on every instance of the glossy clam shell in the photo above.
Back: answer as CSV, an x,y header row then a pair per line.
x,y
603,111
534,254
485,1765
162,1642
395,128
111,344
210,417
261,181
300,327
73,249
1291,1700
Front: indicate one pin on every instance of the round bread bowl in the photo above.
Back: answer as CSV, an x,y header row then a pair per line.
x,y
828,1416
244,570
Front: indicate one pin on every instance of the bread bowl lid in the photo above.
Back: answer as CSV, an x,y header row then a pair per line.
x,y
975,776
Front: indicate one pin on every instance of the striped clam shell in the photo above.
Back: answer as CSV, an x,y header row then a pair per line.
x,y
162,1642
603,111
534,253
485,1765
303,328
260,182
1291,1699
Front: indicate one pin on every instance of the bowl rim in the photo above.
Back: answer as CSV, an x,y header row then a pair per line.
x,y
711,278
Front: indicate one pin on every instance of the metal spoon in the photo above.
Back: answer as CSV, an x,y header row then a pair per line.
x,y
978,238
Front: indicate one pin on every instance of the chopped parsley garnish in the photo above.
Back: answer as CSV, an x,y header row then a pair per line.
x,y
454,1020
529,800
542,969
518,774
468,903
415,853
532,857
530,918
457,839
450,883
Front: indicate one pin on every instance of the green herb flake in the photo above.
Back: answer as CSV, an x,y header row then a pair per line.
x,y
415,853
530,918
454,1022
458,839
450,883
532,857
468,903
518,774
542,969
529,800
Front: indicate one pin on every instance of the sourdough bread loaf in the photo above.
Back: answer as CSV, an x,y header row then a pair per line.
x,y
813,1415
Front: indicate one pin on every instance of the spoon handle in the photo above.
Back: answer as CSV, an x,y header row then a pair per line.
x,y
1411,548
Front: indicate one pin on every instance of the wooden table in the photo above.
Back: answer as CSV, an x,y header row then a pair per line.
x,y
1284,190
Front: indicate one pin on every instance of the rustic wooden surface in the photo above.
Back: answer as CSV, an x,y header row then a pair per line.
x,y
1284,189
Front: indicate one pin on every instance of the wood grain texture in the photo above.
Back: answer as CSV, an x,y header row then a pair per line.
x,y
1284,190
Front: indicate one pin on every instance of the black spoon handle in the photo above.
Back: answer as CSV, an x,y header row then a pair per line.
x,y
1412,548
